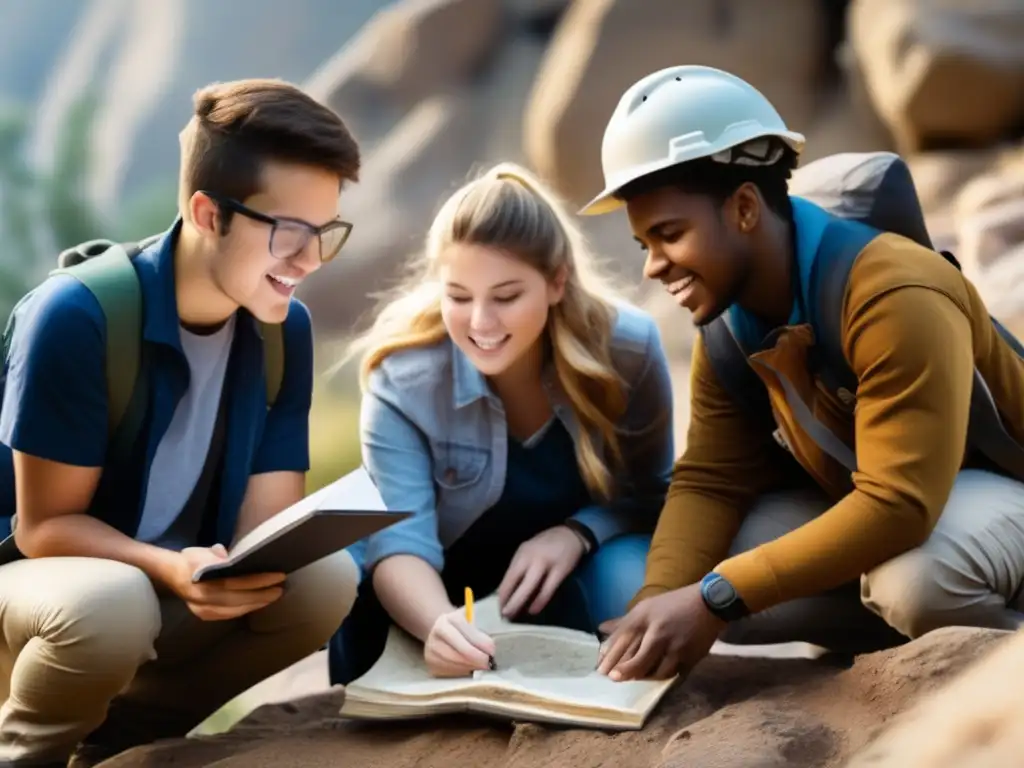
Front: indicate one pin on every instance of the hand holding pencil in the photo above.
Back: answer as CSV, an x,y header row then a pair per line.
x,y
455,647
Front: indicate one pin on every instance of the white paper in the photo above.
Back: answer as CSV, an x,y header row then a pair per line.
x,y
354,491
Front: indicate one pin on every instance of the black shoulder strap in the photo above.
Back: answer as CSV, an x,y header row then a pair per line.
x,y
732,369
841,243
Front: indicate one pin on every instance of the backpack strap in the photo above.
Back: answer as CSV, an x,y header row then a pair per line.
x,y
111,278
732,370
273,359
841,242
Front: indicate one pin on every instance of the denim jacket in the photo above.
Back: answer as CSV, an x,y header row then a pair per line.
x,y
434,441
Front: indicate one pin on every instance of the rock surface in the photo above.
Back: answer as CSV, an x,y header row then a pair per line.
x,y
920,56
732,712
974,721
538,85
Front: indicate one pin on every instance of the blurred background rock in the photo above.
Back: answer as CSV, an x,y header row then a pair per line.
x,y
95,91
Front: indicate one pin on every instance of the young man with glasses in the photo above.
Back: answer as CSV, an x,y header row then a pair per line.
x,y
105,642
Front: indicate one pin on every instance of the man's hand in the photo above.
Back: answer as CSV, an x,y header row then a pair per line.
x,y
221,599
661,636
538,567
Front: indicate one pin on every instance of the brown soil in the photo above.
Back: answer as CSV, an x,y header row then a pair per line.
x,y
731,712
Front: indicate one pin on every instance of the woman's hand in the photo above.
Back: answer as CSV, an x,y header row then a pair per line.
x,y
455,648
537,569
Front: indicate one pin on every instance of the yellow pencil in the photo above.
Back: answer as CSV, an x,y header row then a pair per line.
x,y
469,605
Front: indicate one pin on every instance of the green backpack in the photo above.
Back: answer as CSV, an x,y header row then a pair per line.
x,y
105,268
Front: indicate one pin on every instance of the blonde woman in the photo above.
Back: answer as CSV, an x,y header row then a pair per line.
x,y
523,413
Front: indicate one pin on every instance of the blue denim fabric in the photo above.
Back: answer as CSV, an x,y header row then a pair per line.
x,y
54,394
610,579
434,441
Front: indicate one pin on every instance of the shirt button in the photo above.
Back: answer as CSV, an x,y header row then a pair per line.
x,y
449,475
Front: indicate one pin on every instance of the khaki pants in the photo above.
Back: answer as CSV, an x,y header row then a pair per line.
x,y
86,644
969,572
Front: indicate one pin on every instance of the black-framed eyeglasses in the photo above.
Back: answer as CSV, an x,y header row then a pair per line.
x,y
289,236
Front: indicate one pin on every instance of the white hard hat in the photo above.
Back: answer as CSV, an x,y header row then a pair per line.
x,y
685,113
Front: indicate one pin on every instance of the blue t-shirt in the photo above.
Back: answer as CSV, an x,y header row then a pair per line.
x,y
54,402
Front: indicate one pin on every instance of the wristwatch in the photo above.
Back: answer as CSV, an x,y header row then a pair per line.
x,y
721,598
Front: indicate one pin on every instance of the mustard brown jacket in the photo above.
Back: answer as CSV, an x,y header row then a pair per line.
x,y
913,330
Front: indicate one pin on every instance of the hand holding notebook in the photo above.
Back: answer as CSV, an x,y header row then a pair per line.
x,y
330,519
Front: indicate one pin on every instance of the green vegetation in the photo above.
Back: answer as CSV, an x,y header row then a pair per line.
x,y
333,435
42,213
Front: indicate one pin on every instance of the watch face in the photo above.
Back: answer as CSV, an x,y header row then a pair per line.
x,y
720,592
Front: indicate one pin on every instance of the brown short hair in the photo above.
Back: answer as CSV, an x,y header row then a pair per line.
x,y
238,126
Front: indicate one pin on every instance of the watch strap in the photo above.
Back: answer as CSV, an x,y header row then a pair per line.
x,y
721,598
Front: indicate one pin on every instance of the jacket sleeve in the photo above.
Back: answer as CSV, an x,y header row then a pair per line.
x,y
397,459
645,439
911,349
727,463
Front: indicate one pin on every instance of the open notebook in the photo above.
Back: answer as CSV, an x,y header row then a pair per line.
x,y
544,674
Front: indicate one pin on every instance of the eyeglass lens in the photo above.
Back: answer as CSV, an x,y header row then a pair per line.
x,y
290,239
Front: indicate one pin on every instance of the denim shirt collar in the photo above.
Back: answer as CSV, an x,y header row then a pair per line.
x,y
155,267
469,384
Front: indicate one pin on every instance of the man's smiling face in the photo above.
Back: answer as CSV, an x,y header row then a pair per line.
x,y
693,248
245,269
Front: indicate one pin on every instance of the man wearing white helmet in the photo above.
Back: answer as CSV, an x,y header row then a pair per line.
x,y
764,536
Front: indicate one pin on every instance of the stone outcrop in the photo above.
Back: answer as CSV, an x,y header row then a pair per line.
x,y
731,713
535,81
942,72
973,721
602,46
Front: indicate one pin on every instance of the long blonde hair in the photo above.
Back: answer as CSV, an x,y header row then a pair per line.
x,y
508,208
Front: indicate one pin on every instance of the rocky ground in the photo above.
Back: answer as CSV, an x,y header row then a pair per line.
x,y
907,707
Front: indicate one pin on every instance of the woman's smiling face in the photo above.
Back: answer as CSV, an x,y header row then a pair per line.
x,y
494,305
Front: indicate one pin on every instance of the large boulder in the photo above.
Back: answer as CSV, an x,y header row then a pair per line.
x,y
433,148
942,72
408,51
989,215
731,712
602,46
973,721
